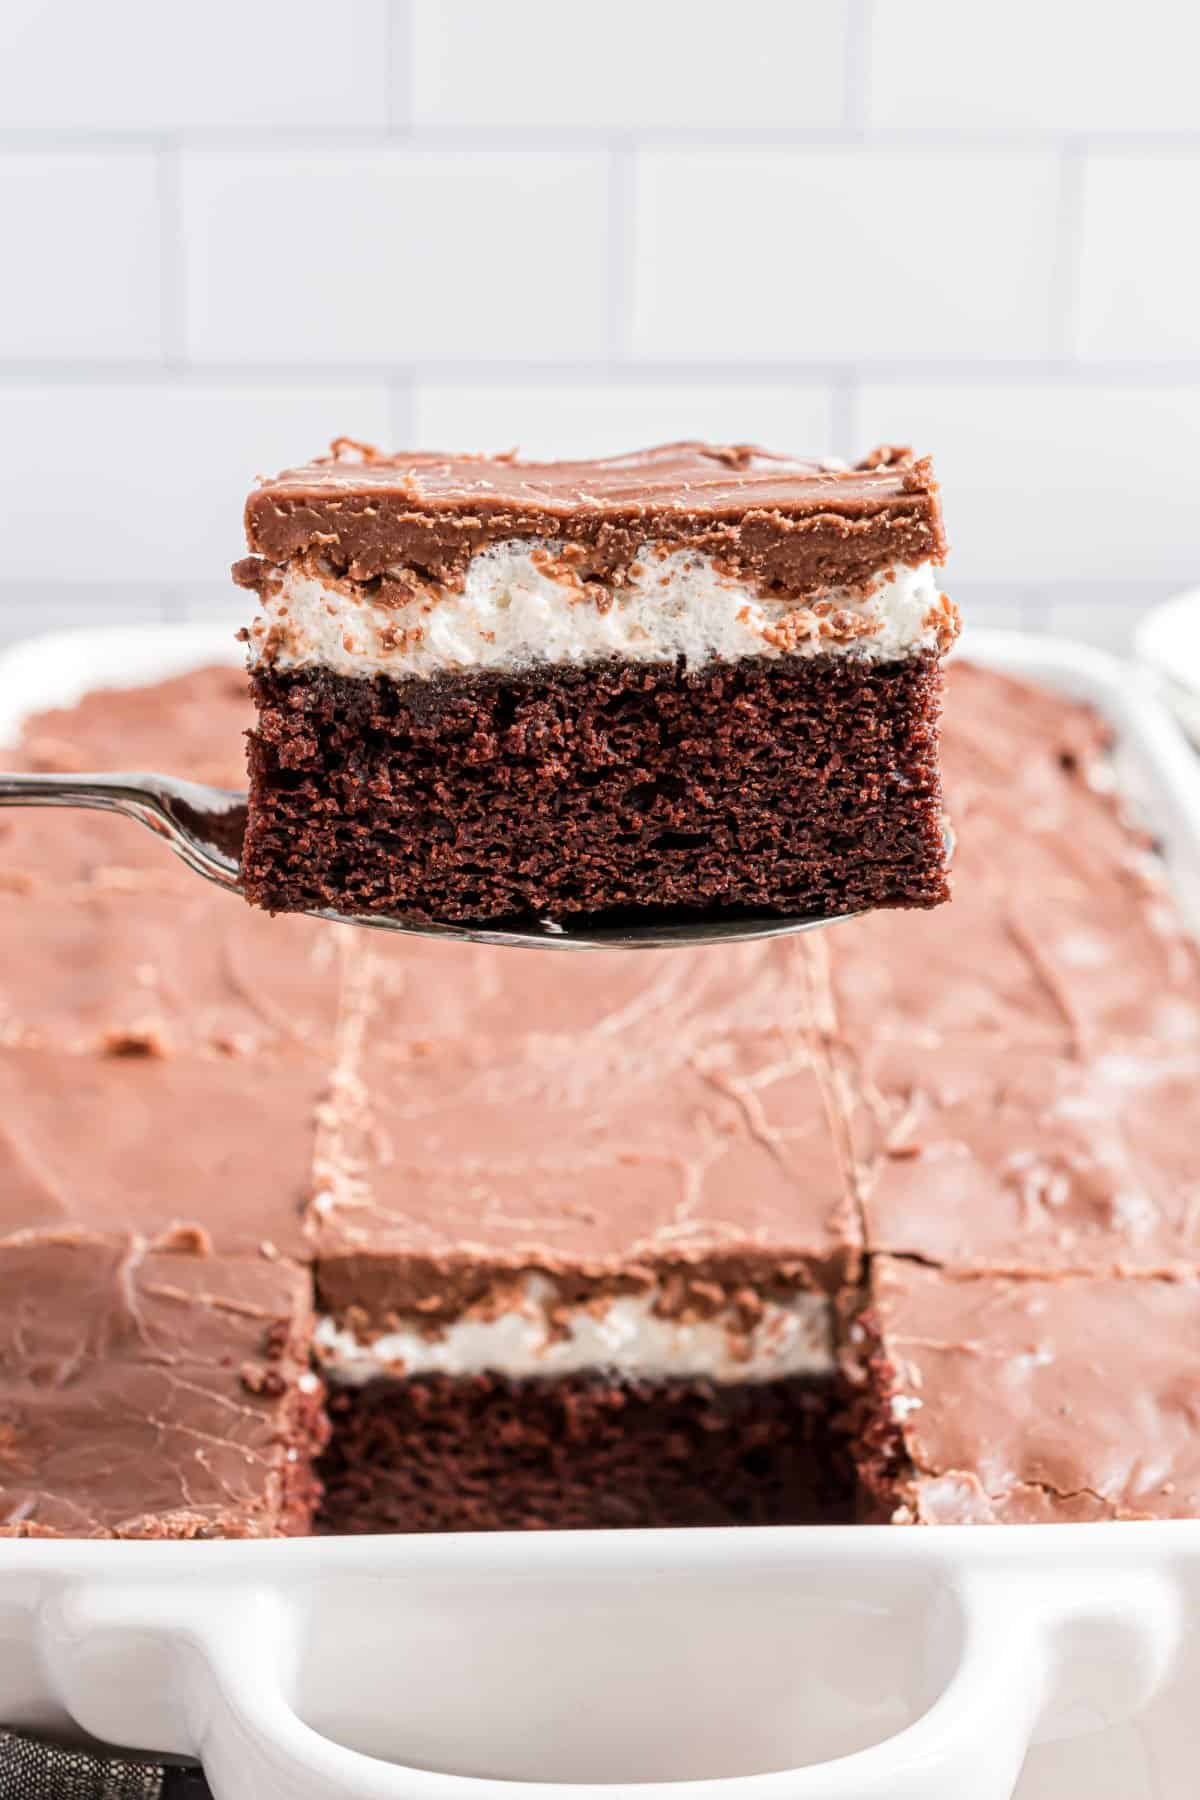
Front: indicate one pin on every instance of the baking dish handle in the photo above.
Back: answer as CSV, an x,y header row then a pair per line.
x,y
1033,1650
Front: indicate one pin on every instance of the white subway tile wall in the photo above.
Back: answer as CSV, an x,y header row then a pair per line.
x,y
1139,288
134,65
81,260
844,253
614,414
632,65
233,232
1078,480
126,480
1050,66
364,256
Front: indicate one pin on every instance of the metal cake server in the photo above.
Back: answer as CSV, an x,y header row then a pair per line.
x,y
204,826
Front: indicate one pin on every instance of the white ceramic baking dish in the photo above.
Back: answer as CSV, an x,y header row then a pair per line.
x,y
808,1663
1167,641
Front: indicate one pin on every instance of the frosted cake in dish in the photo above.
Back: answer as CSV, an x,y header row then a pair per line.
x,y
811,1228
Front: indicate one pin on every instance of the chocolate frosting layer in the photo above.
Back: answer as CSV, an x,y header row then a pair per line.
x,y
435,994
112,968
1061,932
1028,1401
1019,1078
792,525
163,1054
152,1393
613,1129
154,1143
1019,1160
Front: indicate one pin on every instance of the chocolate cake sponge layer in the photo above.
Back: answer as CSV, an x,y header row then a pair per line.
x,y
798,788
480,1453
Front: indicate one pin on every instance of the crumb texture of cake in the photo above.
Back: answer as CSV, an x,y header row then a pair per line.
x,y
485,1453
153,1393
577,794
695,677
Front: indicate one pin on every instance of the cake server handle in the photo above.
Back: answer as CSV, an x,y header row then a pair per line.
x,y
204,826
1060,1650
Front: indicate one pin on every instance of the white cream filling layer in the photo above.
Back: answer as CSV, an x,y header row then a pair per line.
x,y
520,608
626,1337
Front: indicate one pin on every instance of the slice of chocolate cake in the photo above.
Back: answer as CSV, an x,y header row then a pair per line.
x,y
691,679
153,1392
573,1278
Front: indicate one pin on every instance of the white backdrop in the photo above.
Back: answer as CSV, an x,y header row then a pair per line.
x,y
230,231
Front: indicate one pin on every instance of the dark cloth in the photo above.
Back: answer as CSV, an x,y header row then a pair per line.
x,y
32,1770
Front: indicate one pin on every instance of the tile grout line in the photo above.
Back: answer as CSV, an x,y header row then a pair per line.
x,y
860,25
399,66
719,371
1033,613
844,421
402,415
247,140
